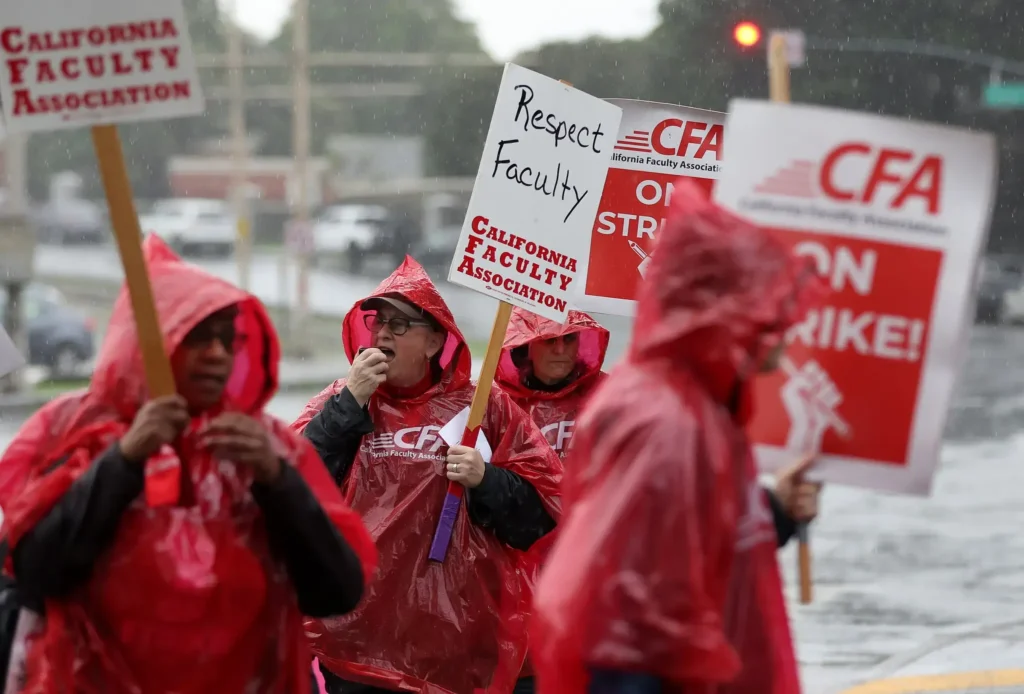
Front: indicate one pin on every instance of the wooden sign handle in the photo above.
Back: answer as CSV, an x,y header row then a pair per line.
x,y
779,90
125,223
477,410
778,69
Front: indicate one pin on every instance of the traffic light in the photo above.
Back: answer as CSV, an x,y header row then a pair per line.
x,y
747,34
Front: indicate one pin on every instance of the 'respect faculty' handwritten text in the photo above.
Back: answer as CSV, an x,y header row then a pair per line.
x,y
560,183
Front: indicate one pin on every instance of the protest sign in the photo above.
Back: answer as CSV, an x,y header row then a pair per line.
x,y
656,145
895,215
70,63
524,240
67,64
528,225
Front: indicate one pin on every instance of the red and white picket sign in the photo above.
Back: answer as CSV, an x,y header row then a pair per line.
x,y
895,215
657,144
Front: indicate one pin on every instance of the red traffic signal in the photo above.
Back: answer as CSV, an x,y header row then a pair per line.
x,y
747,34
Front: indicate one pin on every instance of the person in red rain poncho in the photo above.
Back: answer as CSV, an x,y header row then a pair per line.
x,y
550,369
459,626
664,577
144,592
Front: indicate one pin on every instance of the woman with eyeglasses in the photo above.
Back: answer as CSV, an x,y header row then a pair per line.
x,y
175,544
459,625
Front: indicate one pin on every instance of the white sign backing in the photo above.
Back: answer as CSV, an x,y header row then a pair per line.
x,y
894,215
72,63
526,235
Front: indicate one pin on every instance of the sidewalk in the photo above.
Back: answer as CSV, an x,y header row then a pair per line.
x,y
294,376
989,660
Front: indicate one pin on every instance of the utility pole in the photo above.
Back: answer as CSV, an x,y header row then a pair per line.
x,y
301,134
239,154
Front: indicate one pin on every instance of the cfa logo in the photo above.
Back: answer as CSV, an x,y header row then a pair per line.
x,y
559,434
896,170
674,137
707,138
858,172
423,438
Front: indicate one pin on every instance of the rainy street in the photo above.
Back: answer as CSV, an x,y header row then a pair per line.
x,y
897,579
676,157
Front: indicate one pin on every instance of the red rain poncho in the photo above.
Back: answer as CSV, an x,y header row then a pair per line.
x,y
554,412
459,626
665,561
187,599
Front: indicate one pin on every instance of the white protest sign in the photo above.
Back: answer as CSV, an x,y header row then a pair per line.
x,y
895,215
657,146
526,235
10,357
72,63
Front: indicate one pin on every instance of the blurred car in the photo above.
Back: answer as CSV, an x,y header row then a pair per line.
x,y
71,220
355,231
443,216
59,337
1000,278
193,226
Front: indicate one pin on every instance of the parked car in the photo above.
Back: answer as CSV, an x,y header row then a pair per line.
x,y
59,337
193,225
1000,278
355,231
71,220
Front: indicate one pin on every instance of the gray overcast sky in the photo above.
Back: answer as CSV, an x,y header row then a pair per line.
x,y
506,26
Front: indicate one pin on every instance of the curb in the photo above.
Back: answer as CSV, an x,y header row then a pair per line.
x,y
22,405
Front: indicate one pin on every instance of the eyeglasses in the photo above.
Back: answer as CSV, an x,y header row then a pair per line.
x,y
398,325
205,335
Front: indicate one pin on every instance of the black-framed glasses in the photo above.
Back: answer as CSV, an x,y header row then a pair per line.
x,y
399,325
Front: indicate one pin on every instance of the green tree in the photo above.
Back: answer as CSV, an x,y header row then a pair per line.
x,y
598,66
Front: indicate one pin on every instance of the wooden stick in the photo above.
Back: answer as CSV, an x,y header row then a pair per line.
x,y
778,89
159,377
